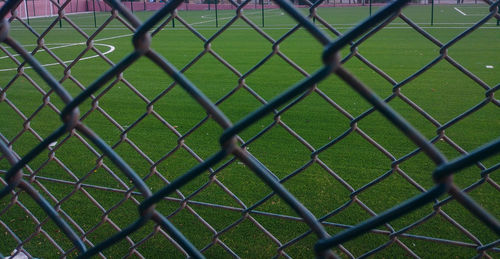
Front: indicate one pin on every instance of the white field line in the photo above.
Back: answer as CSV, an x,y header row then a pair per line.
x,y
208,16
115,37
287,27
480,6
230,17
62,45
458,10
55,14
276,26
111,47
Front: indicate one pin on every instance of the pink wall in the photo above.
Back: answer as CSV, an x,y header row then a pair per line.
x,y
100,5
139,6
46,8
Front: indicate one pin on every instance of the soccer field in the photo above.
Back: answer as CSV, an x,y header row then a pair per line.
x,y
341,159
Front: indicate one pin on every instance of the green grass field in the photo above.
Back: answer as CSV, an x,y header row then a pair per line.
x,y
120,117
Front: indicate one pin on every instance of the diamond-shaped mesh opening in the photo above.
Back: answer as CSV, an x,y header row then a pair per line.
x,y
261,80
321,111
315,183
478,121
350,103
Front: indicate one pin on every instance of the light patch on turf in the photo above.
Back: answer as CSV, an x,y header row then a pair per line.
x,y
111,48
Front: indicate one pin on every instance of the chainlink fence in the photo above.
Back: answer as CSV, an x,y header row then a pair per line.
x,y
69,191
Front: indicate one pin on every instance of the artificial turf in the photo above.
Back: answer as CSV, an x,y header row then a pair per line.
x,y
165,141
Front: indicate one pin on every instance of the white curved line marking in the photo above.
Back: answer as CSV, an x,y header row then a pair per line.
x,y
63,45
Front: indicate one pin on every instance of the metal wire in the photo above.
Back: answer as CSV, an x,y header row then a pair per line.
x,y
20,177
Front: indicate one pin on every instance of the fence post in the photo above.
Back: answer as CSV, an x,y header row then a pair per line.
x,y
60,22
27,12
262,11
93,7
216,15
432,12
370,7
34,11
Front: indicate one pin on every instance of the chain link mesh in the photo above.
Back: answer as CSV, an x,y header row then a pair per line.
x,y
70,208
